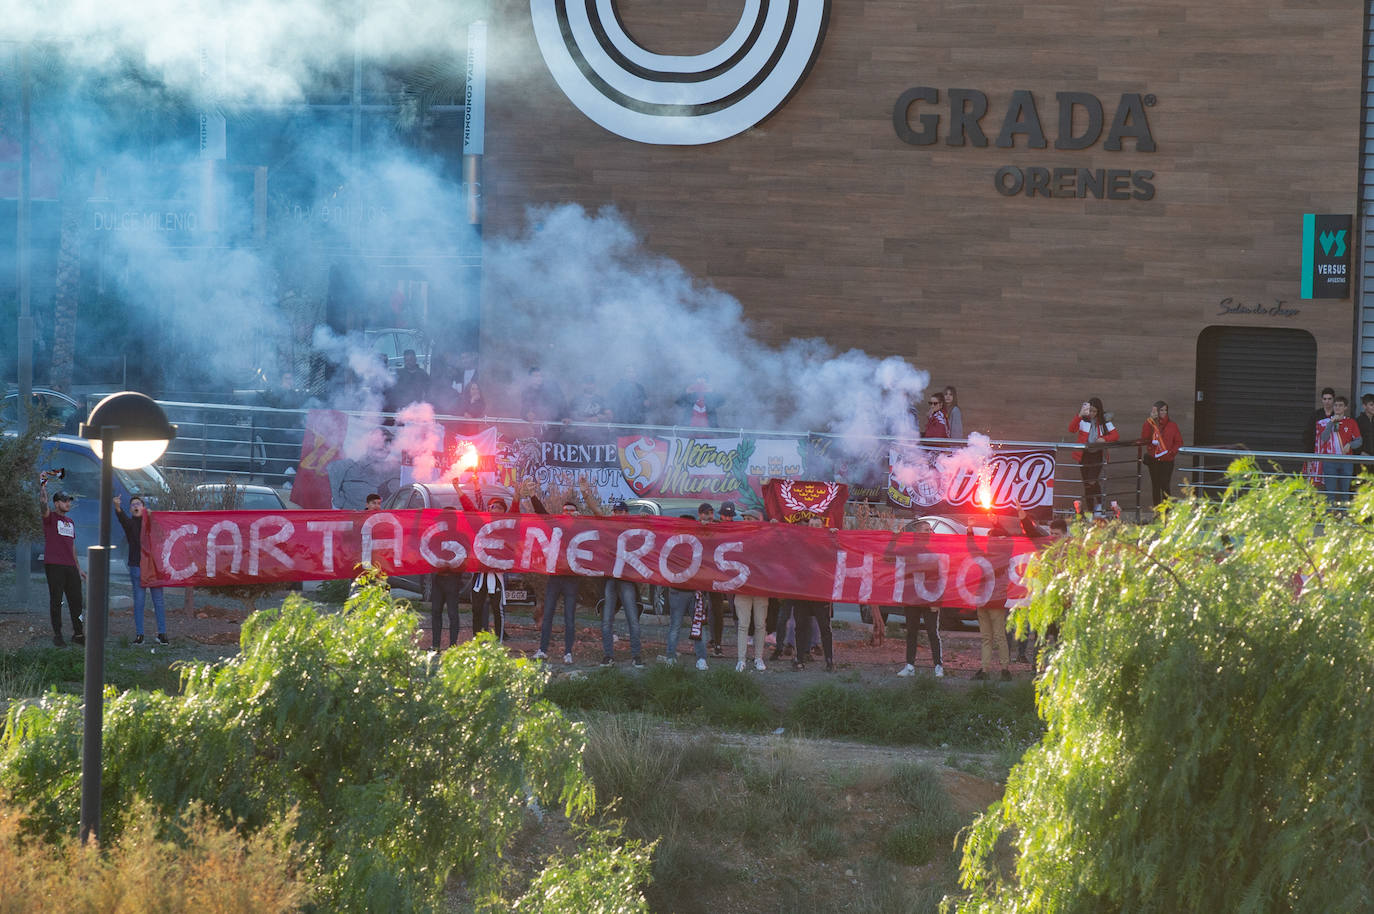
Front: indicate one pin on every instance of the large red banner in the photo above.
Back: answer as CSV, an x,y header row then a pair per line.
x,y
207,548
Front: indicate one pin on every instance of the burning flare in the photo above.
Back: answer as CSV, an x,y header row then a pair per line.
x,y
984,491
465,458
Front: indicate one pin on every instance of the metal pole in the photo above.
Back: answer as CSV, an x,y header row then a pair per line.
x,y
93,720
23,551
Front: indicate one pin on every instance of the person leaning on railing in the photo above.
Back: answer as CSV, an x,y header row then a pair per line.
x,y
1159,442
1091,427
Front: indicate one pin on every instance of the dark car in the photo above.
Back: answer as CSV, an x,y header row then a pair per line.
x,y
420,495
62,410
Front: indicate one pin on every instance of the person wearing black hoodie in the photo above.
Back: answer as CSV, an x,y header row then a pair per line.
x,y
133,533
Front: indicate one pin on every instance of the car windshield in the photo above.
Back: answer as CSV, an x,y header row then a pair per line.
x,y
146,481
260,501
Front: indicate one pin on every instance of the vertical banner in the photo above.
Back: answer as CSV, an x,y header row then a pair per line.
x,y
1326,241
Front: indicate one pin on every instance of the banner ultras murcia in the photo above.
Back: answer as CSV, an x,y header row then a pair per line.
x,y
207,548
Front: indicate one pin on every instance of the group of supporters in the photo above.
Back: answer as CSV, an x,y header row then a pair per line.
x,y
1332,432
1158,446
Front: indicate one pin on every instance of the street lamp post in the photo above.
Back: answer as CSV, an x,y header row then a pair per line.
x,y
127,430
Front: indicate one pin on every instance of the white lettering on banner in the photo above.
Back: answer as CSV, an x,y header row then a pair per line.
x,y
740,569
937,562
457,555
169,544
212,547
692,567
864,572
631,557
549,542
898,579
370,542
328,528
577,555
989,581
257,543
485,546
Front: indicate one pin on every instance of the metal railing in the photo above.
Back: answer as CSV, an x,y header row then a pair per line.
x,y
260,444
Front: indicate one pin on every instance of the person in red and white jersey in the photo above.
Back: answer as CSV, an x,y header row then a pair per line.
x,y
1091,427
1337,434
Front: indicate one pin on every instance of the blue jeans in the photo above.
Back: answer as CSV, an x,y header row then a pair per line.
x,y
1337,479
159,609
680,603
622,592
566,586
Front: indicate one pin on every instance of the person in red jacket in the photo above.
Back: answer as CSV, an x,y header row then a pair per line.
x,y
1091,427
1159,443
937,426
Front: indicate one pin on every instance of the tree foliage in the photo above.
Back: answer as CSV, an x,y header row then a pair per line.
x,y
1208,712
400,766
19,513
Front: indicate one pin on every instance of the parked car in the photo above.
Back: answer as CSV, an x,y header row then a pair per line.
x,y
65,412
420,495
950,618
246,497
394,341
81,479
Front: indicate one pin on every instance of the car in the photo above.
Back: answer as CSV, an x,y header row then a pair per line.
x,y
64,411
422,495
394,341
81,479
245,497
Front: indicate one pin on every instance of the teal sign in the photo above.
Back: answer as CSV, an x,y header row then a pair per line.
x,y
1326,242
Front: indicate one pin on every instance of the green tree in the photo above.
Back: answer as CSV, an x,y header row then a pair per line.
x,y
401,767
1208,711
19,515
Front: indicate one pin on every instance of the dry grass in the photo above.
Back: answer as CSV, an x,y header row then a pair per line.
x,y
210,870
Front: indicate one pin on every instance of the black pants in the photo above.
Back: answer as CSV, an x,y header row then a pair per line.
x,y
717,604
444,594
803,611
487,615
1092,480
930,619
1161,480
64,579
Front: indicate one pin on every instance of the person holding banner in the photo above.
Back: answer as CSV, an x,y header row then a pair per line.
x,y
679,602
1091,427
803,613
622,592
560,586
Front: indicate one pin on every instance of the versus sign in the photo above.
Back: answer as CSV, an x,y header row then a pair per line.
x,y
1326,242
1079,122
679,100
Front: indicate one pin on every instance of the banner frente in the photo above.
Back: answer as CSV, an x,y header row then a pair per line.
x,y
215,548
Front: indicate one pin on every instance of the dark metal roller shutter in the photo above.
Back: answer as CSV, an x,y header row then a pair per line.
x,y
1256,386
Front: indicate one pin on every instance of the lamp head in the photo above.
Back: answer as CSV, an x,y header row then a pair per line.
x,y
137,424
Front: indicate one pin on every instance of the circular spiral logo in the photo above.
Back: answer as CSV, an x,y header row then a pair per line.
x,y
679,100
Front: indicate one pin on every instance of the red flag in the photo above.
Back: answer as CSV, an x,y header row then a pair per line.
x,y
797,501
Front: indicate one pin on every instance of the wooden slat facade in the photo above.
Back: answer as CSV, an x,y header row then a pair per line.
x,y
821,221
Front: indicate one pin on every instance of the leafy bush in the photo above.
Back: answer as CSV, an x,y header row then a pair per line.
x,y
1208,709
401,767
208,869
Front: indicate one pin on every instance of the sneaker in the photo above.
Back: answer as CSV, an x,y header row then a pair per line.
x,y
981,674
667,661
567,658
758,664
908,670
138,639
607,661
798,666
539,655
739,667
1006,675
701,663
717,651
638,662
58,641
79,638
939,671
162,638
